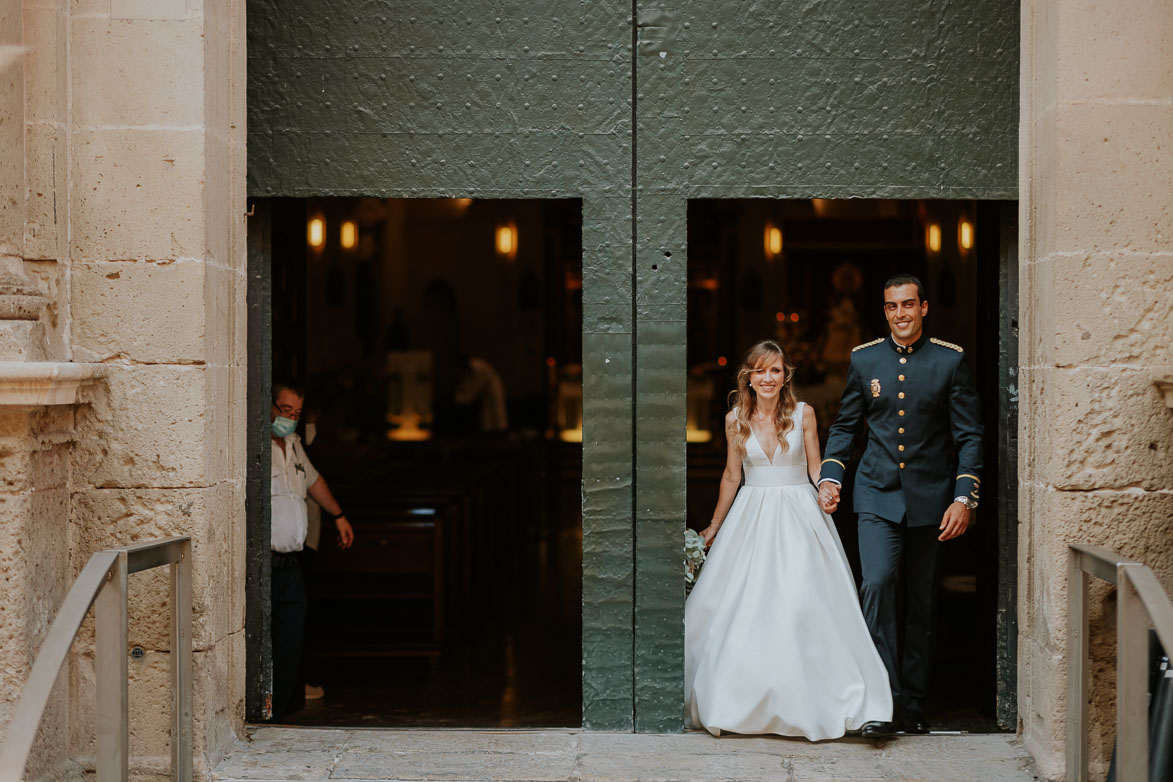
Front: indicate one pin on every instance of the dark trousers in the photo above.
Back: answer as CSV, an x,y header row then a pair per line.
x,y
288,600
882,544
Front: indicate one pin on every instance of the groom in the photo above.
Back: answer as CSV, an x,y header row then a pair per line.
x,y
917,483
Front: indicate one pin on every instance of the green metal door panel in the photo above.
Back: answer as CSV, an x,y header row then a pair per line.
x,y
815,98
520,99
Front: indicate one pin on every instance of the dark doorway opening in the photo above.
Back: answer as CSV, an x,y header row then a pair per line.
x,y
809,273
439,341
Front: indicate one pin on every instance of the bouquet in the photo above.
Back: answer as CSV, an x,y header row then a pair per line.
x,y
694,558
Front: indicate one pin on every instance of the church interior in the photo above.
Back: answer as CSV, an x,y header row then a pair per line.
x,y
439,343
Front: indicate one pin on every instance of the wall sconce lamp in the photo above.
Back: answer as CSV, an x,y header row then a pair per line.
x,y
773,241
965,234
933,238
315,233
507,241
348,235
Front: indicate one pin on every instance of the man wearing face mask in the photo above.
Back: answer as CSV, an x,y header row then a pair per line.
x,y
293,477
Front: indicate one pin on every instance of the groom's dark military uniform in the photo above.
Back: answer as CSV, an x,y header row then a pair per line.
x,y
924,448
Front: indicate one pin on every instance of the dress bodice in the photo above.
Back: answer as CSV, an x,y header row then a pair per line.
x,y
787,467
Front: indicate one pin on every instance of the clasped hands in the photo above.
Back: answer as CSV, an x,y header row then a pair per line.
x,y
953,523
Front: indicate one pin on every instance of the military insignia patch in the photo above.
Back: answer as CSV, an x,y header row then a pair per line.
x,y
875,386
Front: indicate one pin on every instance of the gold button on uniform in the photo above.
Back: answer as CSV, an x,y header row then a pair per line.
x,y
900,447
903,361
902,465
901,430
901,412
901,395
900,378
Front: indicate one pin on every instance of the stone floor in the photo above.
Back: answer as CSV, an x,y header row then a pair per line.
x,y
313,755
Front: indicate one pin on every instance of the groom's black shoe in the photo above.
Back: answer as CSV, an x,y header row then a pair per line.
x,y
876,730
914,722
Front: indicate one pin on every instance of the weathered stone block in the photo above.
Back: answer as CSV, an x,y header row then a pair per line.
x,y
44,170
1112,183
51,278
139,72
41,101
145,312
1114,308
106,518
146,428
218,313
1103,427
1115,59
138,194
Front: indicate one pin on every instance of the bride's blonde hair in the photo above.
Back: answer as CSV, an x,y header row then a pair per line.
x,y
744,399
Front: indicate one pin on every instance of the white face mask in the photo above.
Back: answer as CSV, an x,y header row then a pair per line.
x,y
311,431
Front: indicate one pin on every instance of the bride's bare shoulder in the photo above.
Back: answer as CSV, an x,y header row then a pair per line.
x,y
731,419
808,415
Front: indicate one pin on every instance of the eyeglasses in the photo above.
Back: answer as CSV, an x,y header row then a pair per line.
x,y
288,411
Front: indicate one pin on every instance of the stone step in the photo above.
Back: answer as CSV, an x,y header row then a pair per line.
x,y
316,755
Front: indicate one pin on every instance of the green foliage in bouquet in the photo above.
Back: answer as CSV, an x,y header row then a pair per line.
x,y
694,558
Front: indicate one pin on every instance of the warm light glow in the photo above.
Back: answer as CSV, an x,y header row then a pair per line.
x,y
794,317
507,241
965,234
570,435
697,435
316,233
348,235
780,316
462,203
722,361
773,241
933,238
550,361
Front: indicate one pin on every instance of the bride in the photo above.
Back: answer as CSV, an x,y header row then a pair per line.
x,y
774,641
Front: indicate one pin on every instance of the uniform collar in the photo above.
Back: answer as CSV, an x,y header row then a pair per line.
x,y
914,347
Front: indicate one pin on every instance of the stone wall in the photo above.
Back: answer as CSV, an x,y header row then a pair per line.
x,y
1097,320
123,208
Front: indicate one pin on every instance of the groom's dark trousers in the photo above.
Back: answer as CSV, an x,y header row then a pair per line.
x,y
882,543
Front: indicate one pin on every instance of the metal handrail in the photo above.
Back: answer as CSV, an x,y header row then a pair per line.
x,y
1140,601
102,586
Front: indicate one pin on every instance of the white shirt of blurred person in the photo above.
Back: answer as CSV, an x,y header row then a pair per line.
x,y
293,478
481,382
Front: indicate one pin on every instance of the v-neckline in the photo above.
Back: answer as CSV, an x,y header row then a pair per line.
x,y
762,448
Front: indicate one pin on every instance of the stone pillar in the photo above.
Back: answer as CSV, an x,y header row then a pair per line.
x,y
1095,434
157,295
122,249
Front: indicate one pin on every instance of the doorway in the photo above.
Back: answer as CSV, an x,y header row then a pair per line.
x,y
809,273
439,343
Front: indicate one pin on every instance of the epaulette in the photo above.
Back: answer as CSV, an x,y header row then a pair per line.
x,y
945,344
867,344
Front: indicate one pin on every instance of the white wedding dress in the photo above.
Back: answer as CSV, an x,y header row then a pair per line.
x,y
774,640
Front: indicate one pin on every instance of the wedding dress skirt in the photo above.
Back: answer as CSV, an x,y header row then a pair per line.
x,y
774,640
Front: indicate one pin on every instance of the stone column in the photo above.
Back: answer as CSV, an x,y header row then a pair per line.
x,y
1096,277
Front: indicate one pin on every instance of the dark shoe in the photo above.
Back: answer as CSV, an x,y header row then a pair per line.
x,y
876,730
914,722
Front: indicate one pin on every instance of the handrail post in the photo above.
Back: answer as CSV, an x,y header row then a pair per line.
x,y
1077,674
181,642
111,711
1132,680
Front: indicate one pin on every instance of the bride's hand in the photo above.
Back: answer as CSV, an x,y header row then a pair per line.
x,y
709,533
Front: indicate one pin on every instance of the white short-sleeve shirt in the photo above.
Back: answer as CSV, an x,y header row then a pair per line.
x,y
292,474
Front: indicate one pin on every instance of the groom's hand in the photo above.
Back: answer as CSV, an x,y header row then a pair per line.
x,y
955,522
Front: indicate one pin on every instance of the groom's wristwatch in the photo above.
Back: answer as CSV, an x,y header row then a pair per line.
x,y
967,502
